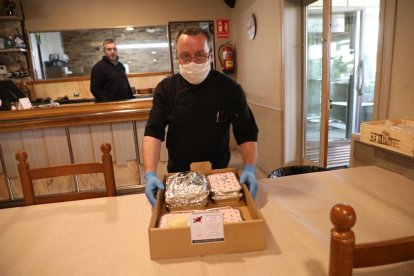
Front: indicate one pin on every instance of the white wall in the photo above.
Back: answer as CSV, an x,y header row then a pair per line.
x,y
47,15
260,72
259,61
293,55
401,98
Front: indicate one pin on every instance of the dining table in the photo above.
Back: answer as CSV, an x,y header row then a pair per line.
x,y
109,235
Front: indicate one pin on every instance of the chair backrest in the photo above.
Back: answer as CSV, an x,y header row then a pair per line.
x,y
346,255
27,176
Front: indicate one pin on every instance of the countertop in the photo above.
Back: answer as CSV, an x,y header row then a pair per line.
x,y
75,114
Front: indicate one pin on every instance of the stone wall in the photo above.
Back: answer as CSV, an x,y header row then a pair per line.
x,y
84,49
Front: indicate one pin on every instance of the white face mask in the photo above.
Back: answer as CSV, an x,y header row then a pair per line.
x,y
195,73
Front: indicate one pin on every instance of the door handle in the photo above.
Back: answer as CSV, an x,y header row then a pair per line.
x,y
360,77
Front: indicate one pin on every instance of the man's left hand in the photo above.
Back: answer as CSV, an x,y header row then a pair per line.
x,y
248,177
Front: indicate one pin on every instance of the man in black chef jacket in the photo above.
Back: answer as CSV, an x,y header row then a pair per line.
x,y
198,105
109,81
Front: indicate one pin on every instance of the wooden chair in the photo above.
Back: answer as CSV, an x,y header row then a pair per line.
x,y
346,255
27,176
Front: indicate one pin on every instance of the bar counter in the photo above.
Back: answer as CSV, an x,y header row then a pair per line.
x,y
75,115
72,134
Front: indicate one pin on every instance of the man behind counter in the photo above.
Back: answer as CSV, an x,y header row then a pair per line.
x,y
109,81
198,105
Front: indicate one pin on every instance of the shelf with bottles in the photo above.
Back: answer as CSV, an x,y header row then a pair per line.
x,y
12,37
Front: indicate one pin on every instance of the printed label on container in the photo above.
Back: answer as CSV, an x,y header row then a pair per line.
x,y
206,227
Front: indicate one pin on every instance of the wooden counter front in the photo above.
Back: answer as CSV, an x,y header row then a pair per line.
x,y
71,134
75,115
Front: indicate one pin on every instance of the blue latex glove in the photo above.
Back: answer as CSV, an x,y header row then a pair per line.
x,y
248,177
152,186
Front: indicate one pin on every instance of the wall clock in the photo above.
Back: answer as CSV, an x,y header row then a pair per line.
x,y
251,26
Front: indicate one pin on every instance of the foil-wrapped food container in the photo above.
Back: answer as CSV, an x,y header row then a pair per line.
x,y
186,190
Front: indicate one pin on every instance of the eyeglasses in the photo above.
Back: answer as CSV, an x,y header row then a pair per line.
x,y
199,57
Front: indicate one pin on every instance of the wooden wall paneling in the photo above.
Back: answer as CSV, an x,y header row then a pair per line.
x,y
17,144
9,150
40,147
127,175
119,146
1,167
10,169
126,170
101,133
83,151
129,142
55,185
57,146
11,142
106,132
30,148
68,87
162,166
140,125
120,136
97,139
4,192
140,134
146,82
57,153
81,143
270,141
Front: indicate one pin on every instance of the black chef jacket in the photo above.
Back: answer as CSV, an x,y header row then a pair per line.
x,y
198,119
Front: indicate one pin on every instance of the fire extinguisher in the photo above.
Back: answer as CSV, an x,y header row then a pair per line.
x,y
226,58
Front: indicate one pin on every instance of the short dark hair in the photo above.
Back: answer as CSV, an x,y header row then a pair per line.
x,y
193,31
107,41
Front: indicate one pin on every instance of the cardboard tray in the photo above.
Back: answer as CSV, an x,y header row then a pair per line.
x,y
176,242
376,133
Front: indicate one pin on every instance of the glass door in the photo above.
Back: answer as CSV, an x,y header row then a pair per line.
x,y
340,96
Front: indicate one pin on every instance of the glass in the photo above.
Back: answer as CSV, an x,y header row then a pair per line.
x,y
313,85
353,48
199,57
72,53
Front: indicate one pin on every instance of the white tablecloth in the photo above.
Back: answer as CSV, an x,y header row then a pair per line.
x,y
109,236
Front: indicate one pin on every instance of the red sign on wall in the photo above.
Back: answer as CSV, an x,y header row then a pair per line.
x,y
223,28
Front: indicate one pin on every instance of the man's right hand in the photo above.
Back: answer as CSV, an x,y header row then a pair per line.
x,y
152,186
